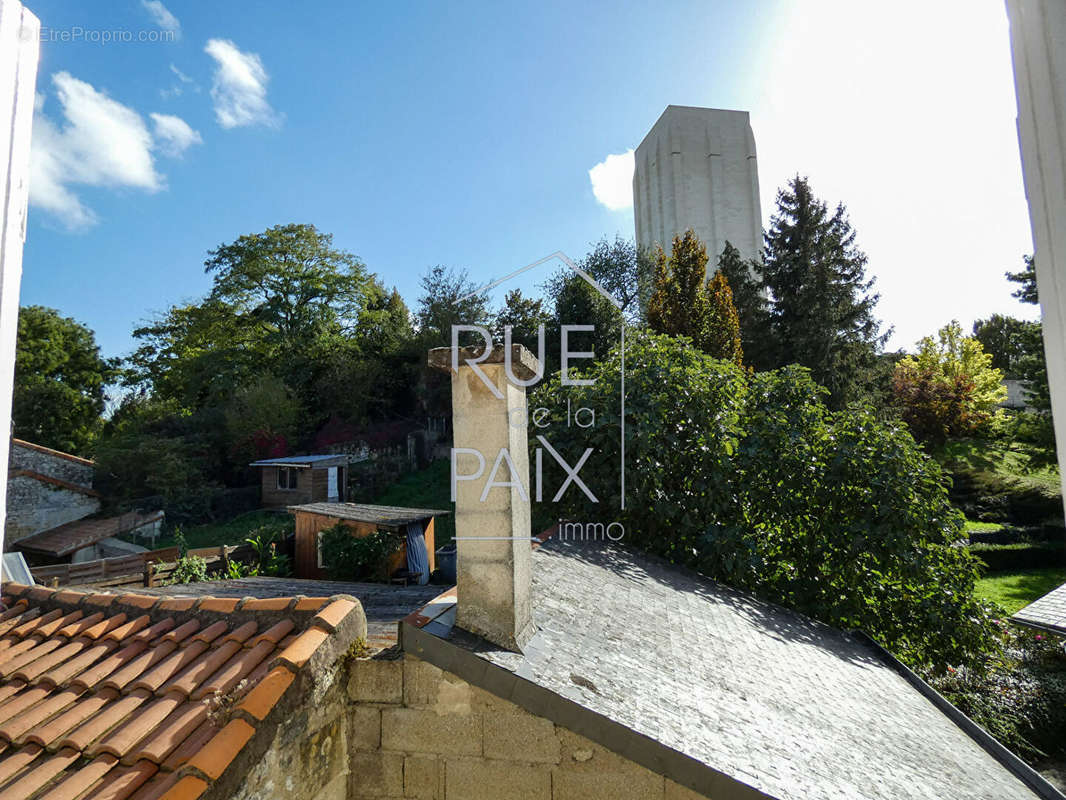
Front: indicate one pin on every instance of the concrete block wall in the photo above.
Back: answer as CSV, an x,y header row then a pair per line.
x,y
416,731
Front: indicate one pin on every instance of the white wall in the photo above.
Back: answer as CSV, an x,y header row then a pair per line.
x,y
697,169
1038,45
19,43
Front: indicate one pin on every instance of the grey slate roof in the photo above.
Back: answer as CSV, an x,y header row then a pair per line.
x,y
299,461
1047,613
769,698
391,516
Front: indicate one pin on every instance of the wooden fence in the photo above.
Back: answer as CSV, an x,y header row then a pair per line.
x,y
153,568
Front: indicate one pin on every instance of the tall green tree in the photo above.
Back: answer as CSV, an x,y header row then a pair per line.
x,y
721,338
449,298
1026,280
524,315
577,302
60,381
678,302
753,312
1032,365
1005,339
822,306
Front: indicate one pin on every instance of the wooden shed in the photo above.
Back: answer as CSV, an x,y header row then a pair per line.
x,y
414,524
302,479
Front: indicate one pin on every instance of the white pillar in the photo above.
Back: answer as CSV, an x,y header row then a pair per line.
x,y
1038,45
19,43
492,526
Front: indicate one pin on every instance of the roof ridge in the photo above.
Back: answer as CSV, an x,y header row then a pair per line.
x,y
52,452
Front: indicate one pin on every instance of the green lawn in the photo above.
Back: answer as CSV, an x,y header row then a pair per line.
x,y
427,488
231,532
973,526
1014,590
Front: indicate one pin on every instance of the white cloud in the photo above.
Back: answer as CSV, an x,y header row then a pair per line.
x,y
162,16
173,135
239,88
612,181
181,75
101,143
913,128
177,89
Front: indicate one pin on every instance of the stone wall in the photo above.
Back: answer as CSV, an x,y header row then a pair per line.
x,y
34,505
402,728
70,469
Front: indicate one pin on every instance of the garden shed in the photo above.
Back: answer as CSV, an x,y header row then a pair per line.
x,y
302,479
413,525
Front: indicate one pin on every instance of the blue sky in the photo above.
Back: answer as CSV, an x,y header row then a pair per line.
x,y
463,134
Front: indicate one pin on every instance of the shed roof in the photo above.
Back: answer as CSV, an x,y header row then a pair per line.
x,y
302,461
73,536
104,695
722,692
1047,613
391,516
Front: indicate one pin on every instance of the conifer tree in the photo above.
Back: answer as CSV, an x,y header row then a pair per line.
x,y
822,308
678,303
749,298
722,336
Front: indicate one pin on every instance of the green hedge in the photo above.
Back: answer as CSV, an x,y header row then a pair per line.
x,y
1022,555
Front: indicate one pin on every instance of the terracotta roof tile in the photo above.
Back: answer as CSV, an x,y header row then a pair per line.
x,y
188,788
76,783
109,697
213,759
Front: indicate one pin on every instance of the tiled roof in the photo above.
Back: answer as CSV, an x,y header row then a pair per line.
x,y
377,515
142,697
684,671
73,536
1047,613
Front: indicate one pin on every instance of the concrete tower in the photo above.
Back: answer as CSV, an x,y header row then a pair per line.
x,y
696,169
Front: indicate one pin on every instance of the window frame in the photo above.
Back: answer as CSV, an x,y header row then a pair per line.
x,y
291,481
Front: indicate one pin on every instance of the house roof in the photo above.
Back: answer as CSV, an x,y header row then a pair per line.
x,y
301,461
73,536
104,695
1047,613
721,692
57,453
391,516
384,605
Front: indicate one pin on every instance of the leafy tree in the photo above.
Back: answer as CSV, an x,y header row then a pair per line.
x,y
448,298
577,302
261,419
722,335
936,407
524,315
749,298
1005,339
60,381
952,355
759,485
621,268
822,308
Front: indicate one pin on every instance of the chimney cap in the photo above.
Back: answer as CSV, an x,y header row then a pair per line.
x,y
523,363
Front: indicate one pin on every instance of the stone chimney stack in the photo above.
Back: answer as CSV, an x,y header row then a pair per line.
x,y
492,528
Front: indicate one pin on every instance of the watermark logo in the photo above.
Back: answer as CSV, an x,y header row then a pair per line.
x,y
488,467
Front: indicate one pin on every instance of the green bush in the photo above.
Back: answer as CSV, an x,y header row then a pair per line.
x,y
351,558
753,481
189,569
1022,555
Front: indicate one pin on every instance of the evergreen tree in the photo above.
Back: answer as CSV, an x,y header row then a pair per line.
x,y
1032,365
678,302
749,298
822,312
722,336
1026,280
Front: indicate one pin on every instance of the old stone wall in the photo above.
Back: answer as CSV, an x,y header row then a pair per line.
x,y
403,728
77,471
34,506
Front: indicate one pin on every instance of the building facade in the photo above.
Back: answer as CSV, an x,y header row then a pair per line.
x,y
697,169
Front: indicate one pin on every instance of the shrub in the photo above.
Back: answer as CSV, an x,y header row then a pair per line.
x,y
352,558
756,483
189,569
936,408
1020,555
